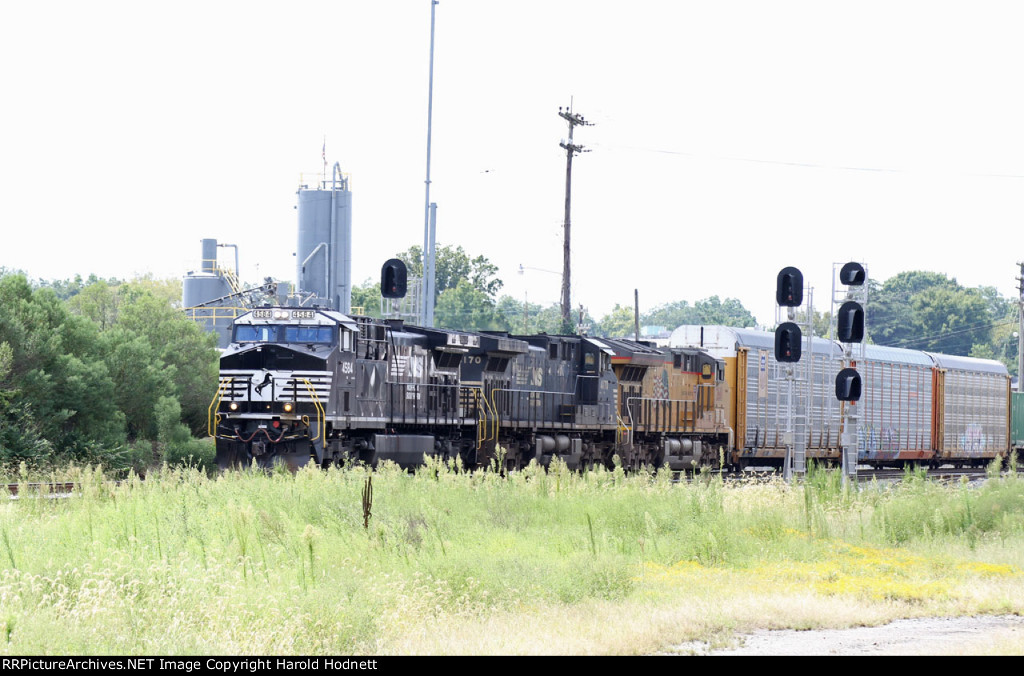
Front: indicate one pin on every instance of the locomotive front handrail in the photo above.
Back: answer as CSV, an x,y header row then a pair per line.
x,y
211,427
321,426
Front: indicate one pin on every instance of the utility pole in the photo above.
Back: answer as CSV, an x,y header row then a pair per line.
x,y
570,149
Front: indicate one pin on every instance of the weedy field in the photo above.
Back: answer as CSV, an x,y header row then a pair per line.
x,y
448,562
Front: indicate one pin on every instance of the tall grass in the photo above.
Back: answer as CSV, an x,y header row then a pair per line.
x,y
448,561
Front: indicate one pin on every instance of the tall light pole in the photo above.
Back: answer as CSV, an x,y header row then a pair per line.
x,y
570,149
428,229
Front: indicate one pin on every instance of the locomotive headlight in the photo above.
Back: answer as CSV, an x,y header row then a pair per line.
x,y
288,408
233,406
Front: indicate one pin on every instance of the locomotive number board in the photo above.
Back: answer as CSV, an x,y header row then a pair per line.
x,y
283,314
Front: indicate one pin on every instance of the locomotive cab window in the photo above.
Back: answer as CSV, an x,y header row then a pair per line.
x,y
321,335
246,333
277,333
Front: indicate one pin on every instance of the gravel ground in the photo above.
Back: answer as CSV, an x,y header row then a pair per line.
x,y
925,636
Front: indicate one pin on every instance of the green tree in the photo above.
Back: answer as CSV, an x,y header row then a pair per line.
x,y
539,319
78,377
186,353
929,311
671,315
951,320
1005,343
467,307
65,289
56,386
142,378
99,301
729,313
822,322
366,298
708,311
452,266
618,323
890,317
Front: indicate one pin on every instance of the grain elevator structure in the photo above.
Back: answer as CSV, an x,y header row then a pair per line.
x,y
324,253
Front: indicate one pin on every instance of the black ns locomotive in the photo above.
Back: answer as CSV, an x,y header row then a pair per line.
x,y
299,384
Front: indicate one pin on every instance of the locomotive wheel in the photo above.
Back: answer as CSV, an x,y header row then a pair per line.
x,y
293,461
232,456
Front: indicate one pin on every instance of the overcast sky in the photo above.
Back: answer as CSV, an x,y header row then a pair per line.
x,y
730,139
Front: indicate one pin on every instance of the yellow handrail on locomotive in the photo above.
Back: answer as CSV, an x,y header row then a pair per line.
x,y
494,406
211,427
622,429
321,415
629,408
489,409
493,409
481,419
481,425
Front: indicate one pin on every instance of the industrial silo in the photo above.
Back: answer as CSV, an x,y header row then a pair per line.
x,y
324,255
206,294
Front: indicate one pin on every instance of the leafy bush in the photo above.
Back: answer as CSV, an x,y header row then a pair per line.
x,y
191,452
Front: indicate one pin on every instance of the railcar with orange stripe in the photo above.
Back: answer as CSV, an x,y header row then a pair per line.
x,y
916,407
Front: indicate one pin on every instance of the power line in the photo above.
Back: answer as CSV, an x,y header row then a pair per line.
x,y
940,337
805,165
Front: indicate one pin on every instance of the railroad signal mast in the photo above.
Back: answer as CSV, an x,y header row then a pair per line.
x,y
849,329
789,294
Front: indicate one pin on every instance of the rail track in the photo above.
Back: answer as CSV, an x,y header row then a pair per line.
x,y
58,489
864,474
69,488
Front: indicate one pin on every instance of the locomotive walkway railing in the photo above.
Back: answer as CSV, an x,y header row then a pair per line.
x,y
536,408
663,415
425,403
